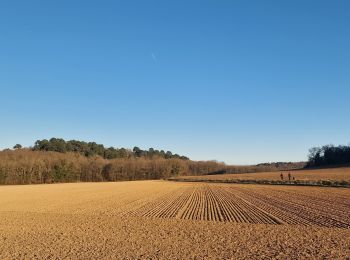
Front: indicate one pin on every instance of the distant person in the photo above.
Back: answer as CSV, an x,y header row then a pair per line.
x,y
289,176
293,178
281,176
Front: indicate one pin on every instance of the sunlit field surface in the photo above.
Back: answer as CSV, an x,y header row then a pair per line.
x,y
337,174
160,219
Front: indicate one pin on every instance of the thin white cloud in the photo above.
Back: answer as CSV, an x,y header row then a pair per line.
x,y
154,57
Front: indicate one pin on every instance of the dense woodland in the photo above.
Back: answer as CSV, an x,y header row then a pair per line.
x,y
329,155
93,149
55,160
24,166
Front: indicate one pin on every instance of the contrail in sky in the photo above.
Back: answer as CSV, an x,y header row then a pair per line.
x,y
153,57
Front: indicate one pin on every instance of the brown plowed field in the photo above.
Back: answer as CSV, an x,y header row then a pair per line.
x,y
252,204
335,174
159,219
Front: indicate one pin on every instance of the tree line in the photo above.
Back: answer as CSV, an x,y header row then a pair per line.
x,y
25,166
56,160
328,155
92,149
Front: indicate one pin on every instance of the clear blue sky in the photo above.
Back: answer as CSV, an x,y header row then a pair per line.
x,y
236,81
